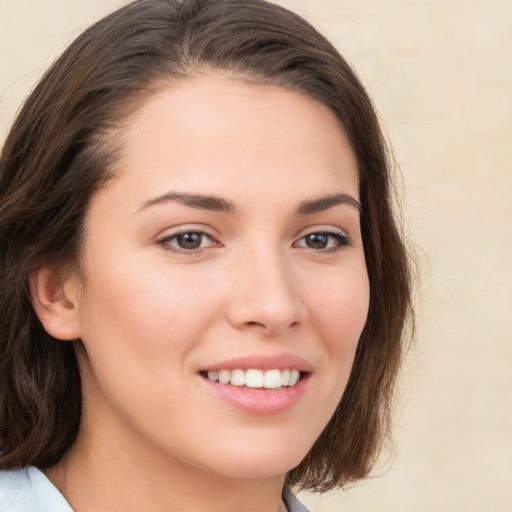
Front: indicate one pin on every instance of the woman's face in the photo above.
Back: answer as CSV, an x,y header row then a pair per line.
x,y
229,244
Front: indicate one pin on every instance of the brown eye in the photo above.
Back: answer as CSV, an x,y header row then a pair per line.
x,y
317,240
324,241
189,240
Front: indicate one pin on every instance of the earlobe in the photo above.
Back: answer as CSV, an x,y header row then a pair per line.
x,y
54,300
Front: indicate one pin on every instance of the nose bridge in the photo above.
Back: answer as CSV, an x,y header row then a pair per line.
x,y
265,293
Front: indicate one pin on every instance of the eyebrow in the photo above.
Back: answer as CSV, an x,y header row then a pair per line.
x,y
218,204
324,203
213,203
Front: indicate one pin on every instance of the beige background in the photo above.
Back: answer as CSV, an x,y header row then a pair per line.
x,y
440,72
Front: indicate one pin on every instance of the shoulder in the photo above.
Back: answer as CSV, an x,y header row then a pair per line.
x,y
28,490
16,493
292,503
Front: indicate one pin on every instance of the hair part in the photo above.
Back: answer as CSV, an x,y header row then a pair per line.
x,y
64,146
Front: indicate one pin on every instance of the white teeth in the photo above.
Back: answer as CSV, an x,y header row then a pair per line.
x,y
254,378
272,379
294,377
224,376
238,377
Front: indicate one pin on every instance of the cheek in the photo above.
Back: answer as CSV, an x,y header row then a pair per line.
x,y
139,334
143,320
341,308
339,315
339,303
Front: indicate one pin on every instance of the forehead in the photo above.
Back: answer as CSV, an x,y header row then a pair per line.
x,y
214,132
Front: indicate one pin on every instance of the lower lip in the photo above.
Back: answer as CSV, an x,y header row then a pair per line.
x,y
259,401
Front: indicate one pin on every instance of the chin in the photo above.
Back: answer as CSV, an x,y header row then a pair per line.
x,y
271,458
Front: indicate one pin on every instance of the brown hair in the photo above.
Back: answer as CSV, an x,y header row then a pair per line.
x,y
60,150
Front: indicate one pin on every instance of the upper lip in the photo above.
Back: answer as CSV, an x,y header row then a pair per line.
x,y
263,362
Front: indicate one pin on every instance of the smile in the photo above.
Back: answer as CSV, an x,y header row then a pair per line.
x,y
255,378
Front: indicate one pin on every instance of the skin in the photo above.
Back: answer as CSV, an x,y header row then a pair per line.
x,y
151,314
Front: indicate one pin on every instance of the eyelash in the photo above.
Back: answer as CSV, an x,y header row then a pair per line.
x,y
165,241
342,241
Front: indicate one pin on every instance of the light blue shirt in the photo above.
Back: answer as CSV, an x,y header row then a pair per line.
x,y
28,490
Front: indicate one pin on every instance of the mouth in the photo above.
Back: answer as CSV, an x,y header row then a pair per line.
x,y
255,378
259,384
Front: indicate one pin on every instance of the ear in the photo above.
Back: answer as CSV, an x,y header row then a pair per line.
x,y
54,297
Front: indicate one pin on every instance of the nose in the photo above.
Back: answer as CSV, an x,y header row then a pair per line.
x,y
264,295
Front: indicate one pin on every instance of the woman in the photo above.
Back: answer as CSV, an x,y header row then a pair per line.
x,y
203,288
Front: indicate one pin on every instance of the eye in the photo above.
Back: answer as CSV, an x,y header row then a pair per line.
x,y
187,241
324,241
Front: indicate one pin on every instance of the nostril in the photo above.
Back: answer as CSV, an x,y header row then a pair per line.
x,y
253,323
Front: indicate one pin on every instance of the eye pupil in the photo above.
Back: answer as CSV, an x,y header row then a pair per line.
x,y
317,241
189,240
